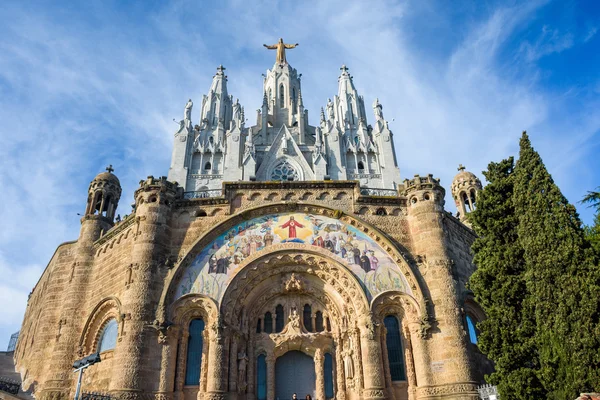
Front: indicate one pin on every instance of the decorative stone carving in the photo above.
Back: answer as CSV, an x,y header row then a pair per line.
x,y
293,284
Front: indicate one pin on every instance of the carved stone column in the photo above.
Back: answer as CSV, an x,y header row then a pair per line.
x,y
339,370
168,340
320,374
386,363
204,365
270,376
359,380
410,364
251,374
217,381
233,365
420,354
374,382
181,358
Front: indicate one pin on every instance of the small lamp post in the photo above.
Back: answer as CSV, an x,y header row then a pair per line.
x,y
82,364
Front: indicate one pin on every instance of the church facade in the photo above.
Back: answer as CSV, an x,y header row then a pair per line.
x,y
273,259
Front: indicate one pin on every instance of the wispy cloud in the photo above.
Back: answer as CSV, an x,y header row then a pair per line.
x,y
81,88
550,41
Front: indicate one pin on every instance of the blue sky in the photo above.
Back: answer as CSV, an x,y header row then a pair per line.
x,y
93,83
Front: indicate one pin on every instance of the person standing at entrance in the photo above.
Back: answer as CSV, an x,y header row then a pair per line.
x,y
294,397
308,397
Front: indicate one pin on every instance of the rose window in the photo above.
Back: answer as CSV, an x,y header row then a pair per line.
x,y
284,172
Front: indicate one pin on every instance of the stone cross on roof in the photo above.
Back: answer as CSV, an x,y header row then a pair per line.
x,y
344,68
221,68
461,167
110,169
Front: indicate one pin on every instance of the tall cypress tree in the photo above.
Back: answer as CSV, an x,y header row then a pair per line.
x,y
562,280
499,287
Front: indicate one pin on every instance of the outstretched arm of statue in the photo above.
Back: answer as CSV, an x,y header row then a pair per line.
x,y
272,47
291,46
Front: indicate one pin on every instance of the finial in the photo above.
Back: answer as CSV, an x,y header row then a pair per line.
x,y
461,167
220,69
344,69
110,169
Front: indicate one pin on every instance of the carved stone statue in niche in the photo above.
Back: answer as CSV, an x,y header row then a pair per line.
x,y
243,363
294,326
348,363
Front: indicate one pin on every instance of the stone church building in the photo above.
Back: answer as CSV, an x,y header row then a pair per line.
x,y
273,259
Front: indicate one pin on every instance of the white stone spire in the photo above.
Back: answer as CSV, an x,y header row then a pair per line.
x,y
341,146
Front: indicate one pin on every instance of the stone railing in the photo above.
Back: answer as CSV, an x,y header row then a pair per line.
x,y
488,392
378,192
203,194
9,386
96,396
364,176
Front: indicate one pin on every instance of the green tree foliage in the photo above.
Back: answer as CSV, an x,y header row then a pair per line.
x,y
592,232
538,280
562,280
499,287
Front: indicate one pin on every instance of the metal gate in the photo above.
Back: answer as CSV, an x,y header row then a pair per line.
x,y
294,373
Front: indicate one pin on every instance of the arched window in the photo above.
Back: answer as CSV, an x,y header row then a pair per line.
x,y
108,338
394,348
268,322
472,330
361,166
281,97
211,140
278,318
328,372
465,200
194,353
261,377
207,166
307,317
473,198
319,322
258,323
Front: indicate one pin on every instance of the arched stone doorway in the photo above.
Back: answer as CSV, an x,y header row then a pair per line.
x,y
294,373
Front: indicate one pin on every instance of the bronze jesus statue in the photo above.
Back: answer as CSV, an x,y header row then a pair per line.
x,y
280,47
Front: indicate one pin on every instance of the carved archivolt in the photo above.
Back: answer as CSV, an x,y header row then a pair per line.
x,y
109,308
193,306
260,280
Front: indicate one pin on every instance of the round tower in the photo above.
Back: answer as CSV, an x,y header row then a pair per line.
x,y
431,239
465,187
103,198
148,256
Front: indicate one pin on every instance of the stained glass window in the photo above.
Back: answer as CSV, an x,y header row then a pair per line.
x,y
284,171
194,353
278,318
394,348
319,322
307,317
268,322
108,340
328,376
472,330
261,377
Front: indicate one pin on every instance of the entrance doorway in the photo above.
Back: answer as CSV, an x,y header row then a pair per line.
x,y
294,373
